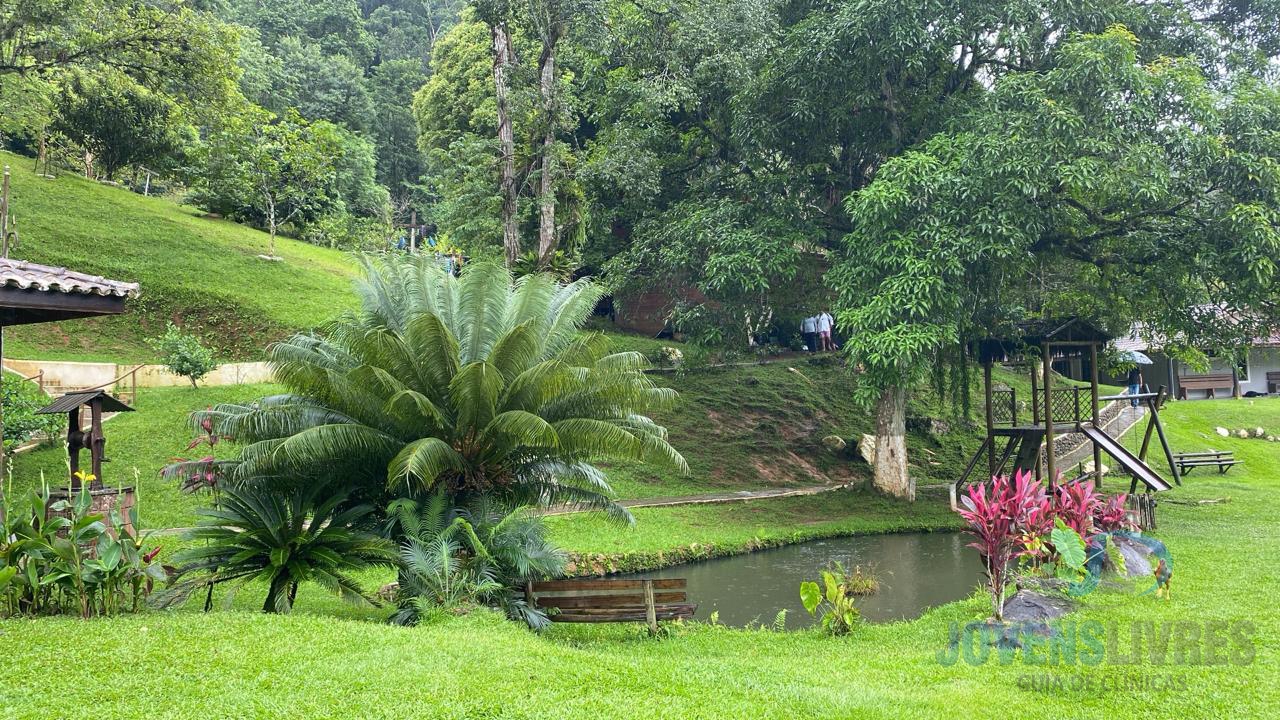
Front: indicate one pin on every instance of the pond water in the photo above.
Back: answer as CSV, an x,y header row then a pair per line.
x,y
916,571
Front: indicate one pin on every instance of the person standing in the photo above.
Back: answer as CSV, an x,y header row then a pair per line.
x,y
1135,384
809,328
825,324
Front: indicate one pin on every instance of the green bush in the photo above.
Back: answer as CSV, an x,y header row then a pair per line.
x,y
20,400
184,355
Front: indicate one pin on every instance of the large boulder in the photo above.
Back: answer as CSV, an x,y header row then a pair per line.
x,y
1139,559
834,443
1033,607
1242,434
1222,431
867,448
1259,432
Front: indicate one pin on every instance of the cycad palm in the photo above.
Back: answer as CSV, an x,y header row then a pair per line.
x,y
480,383
282,538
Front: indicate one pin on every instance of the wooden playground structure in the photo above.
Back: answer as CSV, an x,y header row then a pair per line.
x,y
1060,411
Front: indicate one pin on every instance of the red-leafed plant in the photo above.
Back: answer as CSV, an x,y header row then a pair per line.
x,y
204,473
1006,517
1077,503
1110,515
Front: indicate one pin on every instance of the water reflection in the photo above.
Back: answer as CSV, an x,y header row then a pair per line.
x,y
917,571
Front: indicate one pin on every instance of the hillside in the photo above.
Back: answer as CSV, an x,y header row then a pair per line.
x,y
200,272
740,428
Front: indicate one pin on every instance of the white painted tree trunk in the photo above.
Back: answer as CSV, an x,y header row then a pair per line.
x,y
891,475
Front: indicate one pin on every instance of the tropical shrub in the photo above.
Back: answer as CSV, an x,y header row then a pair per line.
x,y
1008,518
183,354
453,558
56,556
482,385
1076,504
283,538
20,400
1111,515
834,602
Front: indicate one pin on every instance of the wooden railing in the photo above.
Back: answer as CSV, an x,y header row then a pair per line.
x,y
128,397
38,379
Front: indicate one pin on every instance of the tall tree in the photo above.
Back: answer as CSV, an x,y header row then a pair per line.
x,y
120,123
277,169
1106,186
496,15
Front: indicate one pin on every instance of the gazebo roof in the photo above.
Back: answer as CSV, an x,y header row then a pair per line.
x,y
73,400
1034,333
32,293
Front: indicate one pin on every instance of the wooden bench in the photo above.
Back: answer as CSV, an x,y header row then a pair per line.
x,y
1222,460
1208,383
1273,381
596,600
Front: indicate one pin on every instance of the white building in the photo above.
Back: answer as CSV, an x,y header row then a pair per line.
x,y
1258,375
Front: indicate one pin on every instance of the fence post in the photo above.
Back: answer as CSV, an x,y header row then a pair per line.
x,y
650,612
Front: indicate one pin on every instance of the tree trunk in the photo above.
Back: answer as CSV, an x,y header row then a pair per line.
x,y
502,62
271,227
547,219
891,474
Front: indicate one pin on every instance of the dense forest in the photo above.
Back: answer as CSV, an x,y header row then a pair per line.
x,y
931,169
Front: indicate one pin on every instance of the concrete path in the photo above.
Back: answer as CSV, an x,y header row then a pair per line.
x,y
711,498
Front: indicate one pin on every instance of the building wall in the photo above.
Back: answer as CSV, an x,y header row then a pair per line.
x,y
1261,361
60,376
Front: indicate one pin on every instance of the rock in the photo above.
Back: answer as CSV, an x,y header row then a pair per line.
x,y
1031,606
1243,434
1259,432
1271,438
1222,431
1088,467
387,593
1137,557
834,443
867,448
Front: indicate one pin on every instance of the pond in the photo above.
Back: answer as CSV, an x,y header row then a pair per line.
x,y
916,571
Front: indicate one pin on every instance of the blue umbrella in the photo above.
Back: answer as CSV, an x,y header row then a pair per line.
x,y
1134,356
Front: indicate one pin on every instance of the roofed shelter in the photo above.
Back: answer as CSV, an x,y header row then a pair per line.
x,y
32,293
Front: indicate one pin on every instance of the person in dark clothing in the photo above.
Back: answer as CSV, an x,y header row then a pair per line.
x,y
1135,384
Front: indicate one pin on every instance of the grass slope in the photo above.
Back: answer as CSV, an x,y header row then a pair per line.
x,y
199,272
245,664
739,428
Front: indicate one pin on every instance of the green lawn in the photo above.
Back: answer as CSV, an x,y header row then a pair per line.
x,y
202,272
244,664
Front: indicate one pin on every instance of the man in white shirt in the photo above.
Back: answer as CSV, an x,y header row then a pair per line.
x,y
825,323
809,328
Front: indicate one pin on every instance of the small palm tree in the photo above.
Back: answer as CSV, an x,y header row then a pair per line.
x,y
483,385
283,538
454,557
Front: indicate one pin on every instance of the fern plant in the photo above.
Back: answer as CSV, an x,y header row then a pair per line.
x,y
483,385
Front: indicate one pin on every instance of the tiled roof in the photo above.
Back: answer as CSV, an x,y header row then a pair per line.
x,y
23,274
